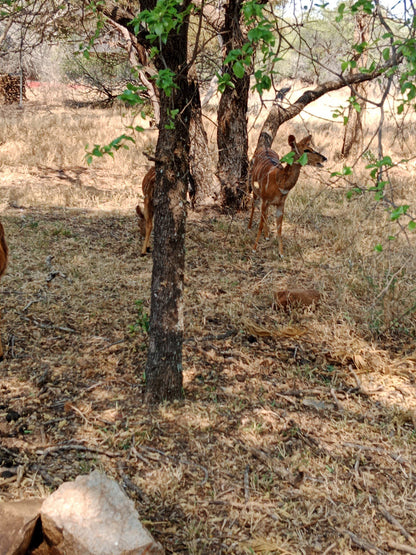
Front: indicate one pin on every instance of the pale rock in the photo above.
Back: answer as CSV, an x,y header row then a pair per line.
x,y
93,516
17,523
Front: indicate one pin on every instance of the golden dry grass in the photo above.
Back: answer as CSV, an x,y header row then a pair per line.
x,y
297,434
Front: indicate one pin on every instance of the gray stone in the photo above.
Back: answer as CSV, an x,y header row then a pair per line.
x,y
17,523
93,516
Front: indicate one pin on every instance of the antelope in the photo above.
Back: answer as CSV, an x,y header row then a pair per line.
x,y
4,251
274,181
146,215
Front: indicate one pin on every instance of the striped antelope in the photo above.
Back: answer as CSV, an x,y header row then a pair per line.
x,y
274,181
4,251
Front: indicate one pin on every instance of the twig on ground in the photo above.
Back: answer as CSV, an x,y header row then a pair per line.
x,y
335,398
45,475
329,549
190,463
134,451
29,304
76,447
20,473
286,398
363,543
111,345
55,420
250,505
402,547
357,379
390,518
75,409
46,326
246,483
395,456
131,485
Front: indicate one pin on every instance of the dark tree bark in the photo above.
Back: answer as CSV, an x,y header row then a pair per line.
x,y
232,137
164,362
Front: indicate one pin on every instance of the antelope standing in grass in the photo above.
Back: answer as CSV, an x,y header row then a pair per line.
x,y
4,251
274,181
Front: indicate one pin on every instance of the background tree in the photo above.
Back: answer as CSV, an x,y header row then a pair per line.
x,y
353,131
232,138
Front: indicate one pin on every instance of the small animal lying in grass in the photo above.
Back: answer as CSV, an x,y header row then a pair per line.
x,y
296,297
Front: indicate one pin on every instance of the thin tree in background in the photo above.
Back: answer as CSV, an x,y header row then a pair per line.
x,y
353,133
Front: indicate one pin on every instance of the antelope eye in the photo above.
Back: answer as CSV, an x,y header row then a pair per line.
x,y
307,150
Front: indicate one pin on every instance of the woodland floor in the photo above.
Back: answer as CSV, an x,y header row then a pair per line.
x,y
297,432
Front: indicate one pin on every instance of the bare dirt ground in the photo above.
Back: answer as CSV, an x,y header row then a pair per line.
x,y
297,432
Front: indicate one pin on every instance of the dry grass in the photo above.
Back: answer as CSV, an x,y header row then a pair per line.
x,y
297,434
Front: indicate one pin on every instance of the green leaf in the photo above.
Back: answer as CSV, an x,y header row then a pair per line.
x,y
411,225
288,158
399,211
232,56
238,69
303,160
340,15
386,54
378,248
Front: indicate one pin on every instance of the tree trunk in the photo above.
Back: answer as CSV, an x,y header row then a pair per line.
x,y
164,362
353,132
232,138
200,161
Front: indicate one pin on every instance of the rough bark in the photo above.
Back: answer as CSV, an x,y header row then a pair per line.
x,y
164,362
232,137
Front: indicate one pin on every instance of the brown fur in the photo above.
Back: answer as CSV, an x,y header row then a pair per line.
x,y
4,252
304,297
146,215
274,181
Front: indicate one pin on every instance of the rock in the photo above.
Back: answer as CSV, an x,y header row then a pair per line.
x,y
293,297
93,516
17,523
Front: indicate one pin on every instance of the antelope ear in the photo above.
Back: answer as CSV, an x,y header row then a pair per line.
x,y
292,144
